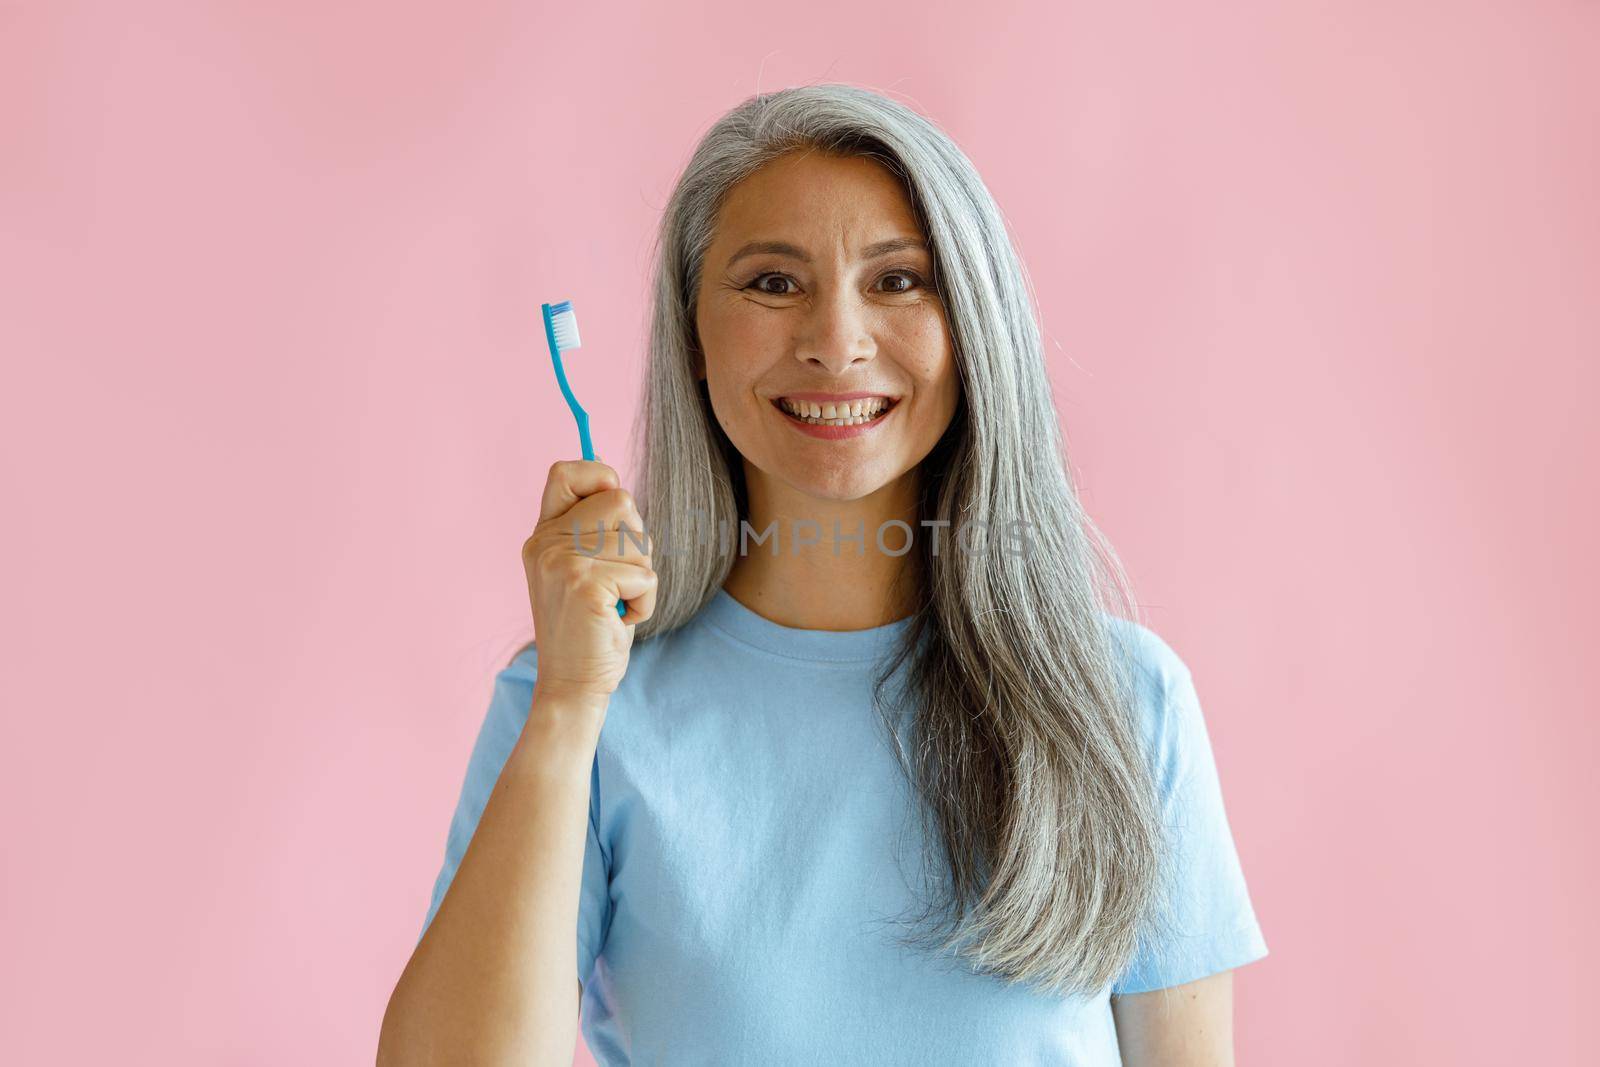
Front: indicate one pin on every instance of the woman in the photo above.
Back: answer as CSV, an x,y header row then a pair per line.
x,y
887,772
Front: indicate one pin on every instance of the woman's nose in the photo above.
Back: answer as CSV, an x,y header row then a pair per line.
x,y
836,335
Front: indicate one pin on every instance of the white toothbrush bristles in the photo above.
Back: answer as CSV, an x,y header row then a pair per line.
x,y
565,325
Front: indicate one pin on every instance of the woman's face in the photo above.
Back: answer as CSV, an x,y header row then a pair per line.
x,y
830,319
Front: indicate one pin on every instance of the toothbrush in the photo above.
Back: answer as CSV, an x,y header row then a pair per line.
x,y
561,330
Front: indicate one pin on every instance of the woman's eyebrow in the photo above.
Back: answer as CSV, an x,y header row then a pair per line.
x,y
783,248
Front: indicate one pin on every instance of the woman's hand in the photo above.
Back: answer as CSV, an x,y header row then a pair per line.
x,y
575,580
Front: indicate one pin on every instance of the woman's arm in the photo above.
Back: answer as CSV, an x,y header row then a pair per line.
x,y
1182,1026
488,981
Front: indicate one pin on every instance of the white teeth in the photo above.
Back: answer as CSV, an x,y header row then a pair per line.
x,y
847,413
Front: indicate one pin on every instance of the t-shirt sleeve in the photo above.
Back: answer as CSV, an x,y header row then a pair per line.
x,y
1204,922
509,706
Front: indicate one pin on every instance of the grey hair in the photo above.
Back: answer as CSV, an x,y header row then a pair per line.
x,y
1025,747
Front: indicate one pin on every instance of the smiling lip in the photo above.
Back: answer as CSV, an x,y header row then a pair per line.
x,y
832,398
834,433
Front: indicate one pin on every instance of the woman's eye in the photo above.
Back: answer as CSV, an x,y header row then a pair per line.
x,y
757,284
912,278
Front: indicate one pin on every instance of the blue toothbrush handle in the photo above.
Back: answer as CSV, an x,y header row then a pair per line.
x,y
588,453
583,434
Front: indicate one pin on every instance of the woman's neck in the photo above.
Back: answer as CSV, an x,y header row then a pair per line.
x,y
832,581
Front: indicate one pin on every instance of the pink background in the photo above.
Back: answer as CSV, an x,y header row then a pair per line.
x,y
1319,287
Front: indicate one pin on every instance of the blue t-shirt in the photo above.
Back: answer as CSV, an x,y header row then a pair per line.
x,y
752,844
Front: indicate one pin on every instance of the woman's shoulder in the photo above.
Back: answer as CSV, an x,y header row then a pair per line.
x,y
1167,707
1155,662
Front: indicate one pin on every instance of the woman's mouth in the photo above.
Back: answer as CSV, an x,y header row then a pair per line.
x,y
838,413
835,418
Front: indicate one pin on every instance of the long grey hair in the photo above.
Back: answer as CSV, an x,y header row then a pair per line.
x,y
1025,745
